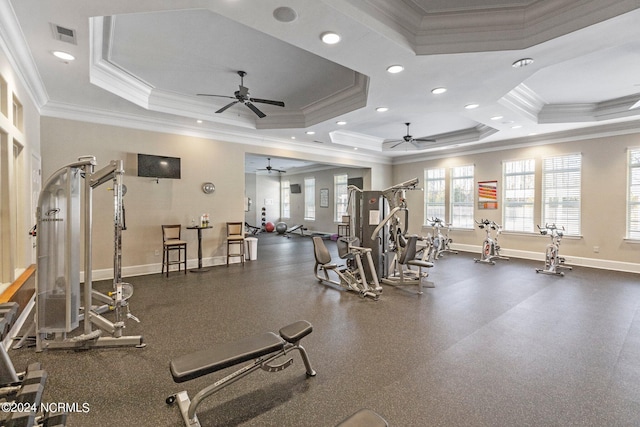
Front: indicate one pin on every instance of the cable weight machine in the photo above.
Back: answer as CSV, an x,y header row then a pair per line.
x,y
58,309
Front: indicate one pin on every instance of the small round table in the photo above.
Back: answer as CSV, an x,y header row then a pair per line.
x,y
199,228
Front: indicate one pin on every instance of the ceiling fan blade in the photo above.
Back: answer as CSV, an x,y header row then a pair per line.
x,y
267,101
218,96
227,106
390,145
424,139
255,110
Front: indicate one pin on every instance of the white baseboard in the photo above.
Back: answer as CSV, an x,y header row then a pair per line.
x,y
603,264
141,270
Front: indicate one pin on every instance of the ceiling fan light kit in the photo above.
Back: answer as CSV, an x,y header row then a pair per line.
x,y
242,96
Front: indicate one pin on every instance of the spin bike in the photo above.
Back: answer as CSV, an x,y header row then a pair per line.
x,y
552,259
490,246
440,244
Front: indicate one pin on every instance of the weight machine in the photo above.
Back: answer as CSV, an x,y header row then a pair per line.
x,y
552,259
58,293
352,275
490,246
400,244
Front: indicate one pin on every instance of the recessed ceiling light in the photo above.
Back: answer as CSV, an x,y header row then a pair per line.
x,y
64,55
497,117
522,63
382,109
285,14
393,69
293,137
533,133
310,132
471,106
438,90
516,126
198,121
355,148
330,38
341,122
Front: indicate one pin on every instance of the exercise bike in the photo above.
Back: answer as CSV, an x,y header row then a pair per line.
x,y
351,276
552,259
490,246
440,243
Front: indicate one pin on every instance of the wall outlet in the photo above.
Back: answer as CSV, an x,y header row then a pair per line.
x,y
157,252
596,249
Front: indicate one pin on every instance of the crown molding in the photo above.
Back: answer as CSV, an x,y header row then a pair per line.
x,y
109,76
523,101
599,131
12,42
475,30
590,112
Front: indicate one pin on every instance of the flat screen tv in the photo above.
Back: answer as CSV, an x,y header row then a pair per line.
x,y
295,189
158,166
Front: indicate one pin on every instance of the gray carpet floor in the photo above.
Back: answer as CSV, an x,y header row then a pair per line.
x,y
488,346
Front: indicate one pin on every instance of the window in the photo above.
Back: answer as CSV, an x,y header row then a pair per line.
x,y
285,190
519,182
434,193
561,177
341,196
633,196
310,198
462,189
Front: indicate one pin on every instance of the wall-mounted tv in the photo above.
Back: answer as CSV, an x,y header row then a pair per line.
x,y
295,189
158,166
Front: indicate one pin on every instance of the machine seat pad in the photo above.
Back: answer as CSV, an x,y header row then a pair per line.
x,y
296,331
420,263
221,356
364,418
329,266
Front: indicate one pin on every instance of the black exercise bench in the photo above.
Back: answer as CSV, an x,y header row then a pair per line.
x,y
262,349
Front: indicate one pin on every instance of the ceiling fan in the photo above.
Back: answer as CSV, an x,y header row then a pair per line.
x,y
270,168
418,143
242,96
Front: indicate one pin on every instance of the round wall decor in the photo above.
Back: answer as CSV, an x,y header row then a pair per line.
x,y
208,188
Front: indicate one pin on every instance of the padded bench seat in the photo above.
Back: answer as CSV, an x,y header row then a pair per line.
x,y
264,350
204,362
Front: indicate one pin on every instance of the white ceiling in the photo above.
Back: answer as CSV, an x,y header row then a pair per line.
x,y
142,63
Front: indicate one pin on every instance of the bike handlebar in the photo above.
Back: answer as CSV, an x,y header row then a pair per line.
x,y
553,228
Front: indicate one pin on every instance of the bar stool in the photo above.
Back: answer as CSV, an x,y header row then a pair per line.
x,y
171,242
235,237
